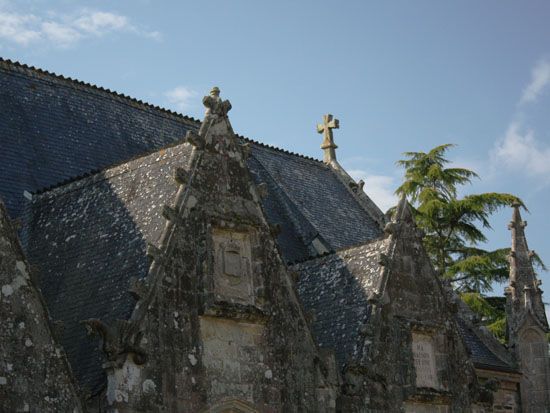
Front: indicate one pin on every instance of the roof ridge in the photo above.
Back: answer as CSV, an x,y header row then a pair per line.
x,y
92,87
285,151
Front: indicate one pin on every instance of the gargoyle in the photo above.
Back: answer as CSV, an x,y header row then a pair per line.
x,y
117,340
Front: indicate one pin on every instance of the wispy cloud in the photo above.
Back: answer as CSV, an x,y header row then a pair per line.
x,y
180,97
20,29
64,30
519,150
99,23
378,187
540,79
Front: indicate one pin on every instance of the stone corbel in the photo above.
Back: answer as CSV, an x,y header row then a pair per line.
x,y
391,228
117,340
275,229
383,260
246,148
180,176
194,139
262,190
138,288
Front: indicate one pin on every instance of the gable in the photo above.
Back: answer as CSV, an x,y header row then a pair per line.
x,y
88,239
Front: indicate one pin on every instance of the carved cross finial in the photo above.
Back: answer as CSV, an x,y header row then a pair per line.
x,y
328,145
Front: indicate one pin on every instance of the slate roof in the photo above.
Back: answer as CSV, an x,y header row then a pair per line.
x,y
308,200
85,239
334,290
485,350
88,238
480,354
54,129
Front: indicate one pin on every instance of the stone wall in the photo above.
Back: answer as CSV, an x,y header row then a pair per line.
x,y
414,358
34,373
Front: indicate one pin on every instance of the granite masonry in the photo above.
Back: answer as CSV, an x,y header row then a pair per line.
x,y
154,263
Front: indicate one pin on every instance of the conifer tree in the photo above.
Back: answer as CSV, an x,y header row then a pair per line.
x,y
455,226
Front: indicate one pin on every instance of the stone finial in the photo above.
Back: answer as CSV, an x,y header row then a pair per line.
x,y
214,103
328,145
216,111
403,212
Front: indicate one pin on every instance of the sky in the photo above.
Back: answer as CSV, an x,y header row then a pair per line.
x,y
399,75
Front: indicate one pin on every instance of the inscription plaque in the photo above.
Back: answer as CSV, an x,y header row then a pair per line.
x,y
424,361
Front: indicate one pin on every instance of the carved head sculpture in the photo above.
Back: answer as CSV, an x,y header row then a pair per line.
x,y
215,91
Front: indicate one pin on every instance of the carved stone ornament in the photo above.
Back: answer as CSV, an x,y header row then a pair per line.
x,y
232,266
423,349
117,340
214,104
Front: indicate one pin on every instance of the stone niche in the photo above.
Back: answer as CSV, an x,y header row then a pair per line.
x,y
233,279
423,349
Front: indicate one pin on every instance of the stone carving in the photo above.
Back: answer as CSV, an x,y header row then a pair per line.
x,y
328,145
232,273
117,340
215,114
214,104
424,361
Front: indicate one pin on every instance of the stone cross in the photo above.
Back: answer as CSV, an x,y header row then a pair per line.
x,y
328,145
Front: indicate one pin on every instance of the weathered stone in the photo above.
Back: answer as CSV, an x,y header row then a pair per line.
x,y
328,145
216,324
526,322
34,373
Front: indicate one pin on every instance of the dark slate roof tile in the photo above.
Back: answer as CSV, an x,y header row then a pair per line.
x,y
88,238
334,290
53,129
480,354
322,203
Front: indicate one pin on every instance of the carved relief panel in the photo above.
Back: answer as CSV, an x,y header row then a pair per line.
x,y
232,266
423,349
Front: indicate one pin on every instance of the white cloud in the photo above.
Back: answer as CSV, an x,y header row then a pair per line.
x,y
63,30
378,187
540,78
520,150
99,22
19,28
60,34
180,97
153,35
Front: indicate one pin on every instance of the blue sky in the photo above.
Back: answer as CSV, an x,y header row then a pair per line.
x,y
400,76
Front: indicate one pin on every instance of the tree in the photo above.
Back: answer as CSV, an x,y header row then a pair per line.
x,y
454,227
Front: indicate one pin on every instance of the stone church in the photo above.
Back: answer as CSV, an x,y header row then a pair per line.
x,y
151,262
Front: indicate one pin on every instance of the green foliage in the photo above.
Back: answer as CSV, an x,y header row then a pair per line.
x,y
491,315
454,226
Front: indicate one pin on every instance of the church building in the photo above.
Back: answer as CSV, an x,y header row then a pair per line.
x,y
152,262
